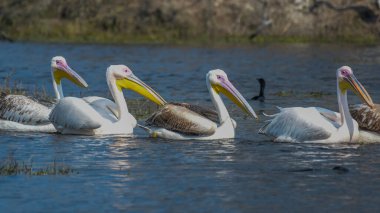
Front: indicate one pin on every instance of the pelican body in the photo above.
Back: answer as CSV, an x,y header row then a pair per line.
x,y
185,121
21,113
367,117
100,116
314,124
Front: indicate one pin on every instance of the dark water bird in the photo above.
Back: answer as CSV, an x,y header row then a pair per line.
x,y
261,96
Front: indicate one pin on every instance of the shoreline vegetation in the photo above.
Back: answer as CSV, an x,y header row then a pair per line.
x,y
191,22
196,41
10,166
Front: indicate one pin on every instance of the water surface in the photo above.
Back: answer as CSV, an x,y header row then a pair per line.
x,y
249,173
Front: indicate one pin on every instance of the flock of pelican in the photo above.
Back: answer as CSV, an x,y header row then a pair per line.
x,y
182,121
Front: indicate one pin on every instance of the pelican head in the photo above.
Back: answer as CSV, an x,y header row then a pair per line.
x,y
220,83
60,69
126,79
347,80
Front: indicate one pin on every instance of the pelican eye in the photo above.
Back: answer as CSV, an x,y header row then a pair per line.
x,y
344,72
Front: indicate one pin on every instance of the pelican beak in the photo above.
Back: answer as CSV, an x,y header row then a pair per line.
x,y
350,82
135,84
64,71
226,87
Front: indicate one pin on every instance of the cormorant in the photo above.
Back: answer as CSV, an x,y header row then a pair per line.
x,y
261,96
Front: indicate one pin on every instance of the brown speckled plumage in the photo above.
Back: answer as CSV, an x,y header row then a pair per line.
x,y
24,110
367,118
185,118
205,112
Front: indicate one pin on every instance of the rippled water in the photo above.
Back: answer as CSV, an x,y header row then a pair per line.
x,y
246,174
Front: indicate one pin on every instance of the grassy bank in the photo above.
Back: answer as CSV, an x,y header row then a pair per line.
x,y
110,38
190,22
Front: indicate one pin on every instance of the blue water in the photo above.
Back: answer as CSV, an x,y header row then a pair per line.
x,y
246,174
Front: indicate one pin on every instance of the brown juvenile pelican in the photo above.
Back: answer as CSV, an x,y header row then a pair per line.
x,y
185,121
313,124
367,117
21,113
261,96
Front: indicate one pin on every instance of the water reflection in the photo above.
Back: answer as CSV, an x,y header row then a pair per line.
x,y
118,153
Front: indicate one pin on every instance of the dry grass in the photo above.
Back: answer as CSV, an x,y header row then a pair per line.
x,y
10,166
141,108
9,86
292,93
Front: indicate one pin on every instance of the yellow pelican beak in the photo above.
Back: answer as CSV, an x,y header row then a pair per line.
x,y
135,84
64,71
225,86
350,82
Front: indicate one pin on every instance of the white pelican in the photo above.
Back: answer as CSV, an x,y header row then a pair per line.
x,y
100,116
21,113
313,124
185,121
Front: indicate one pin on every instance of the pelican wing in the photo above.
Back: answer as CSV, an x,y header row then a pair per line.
x,y
366,117
331,115
75,113
298,124
178,118
105,107
24,110
205,112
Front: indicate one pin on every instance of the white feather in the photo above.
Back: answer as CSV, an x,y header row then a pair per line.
x,y
74,113
368,136
299,124
77,116
333,116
